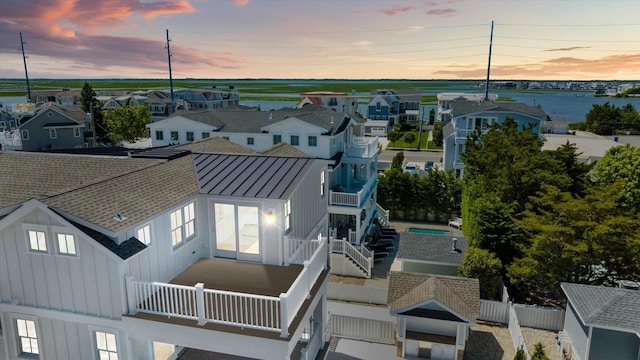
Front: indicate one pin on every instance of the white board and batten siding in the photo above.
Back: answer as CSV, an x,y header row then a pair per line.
x,y
160,261
308,206
87,283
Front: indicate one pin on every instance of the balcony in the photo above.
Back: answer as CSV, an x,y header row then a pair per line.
x,y
362,147
216,293
353,197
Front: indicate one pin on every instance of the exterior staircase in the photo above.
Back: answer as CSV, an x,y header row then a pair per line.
x,y
350,260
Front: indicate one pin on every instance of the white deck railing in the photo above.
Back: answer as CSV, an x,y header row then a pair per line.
x,y
363,256
352,199
300,250
362,147
260,312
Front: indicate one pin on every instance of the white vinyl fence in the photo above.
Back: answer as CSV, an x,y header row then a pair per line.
x,y
362,329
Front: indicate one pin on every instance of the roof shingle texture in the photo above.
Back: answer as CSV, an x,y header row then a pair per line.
x,y
459,294
459,108
215,144
431,248
605,306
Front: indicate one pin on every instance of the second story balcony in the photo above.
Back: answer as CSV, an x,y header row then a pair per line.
x,y
362,147
355,195
219,293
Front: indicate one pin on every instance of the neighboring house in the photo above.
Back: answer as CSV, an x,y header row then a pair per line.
x,y
395,106
107,258
443,113
208,98
66,97
314,130
53,126
433,313
602,322
430,254
468,117
338,101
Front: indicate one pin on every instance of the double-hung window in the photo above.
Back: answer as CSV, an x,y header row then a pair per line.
x,y
76,132
313,141
250,141
53,134
277,139
322,183
295,140
27,337
159,135
106,346
183,224
174,136
190,136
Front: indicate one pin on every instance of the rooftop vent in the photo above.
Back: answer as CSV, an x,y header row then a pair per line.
x,y
118,217
454,245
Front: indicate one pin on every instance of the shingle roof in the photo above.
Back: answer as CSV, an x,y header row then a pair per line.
x,y
255,176
138,194
124,250
461,295
459,108
234,119
431,248
283,149
215,144
601,306
27,176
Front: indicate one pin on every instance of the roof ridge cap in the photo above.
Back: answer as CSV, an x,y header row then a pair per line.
x,y
617,295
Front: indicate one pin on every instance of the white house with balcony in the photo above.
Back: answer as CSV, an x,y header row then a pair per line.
x,y
338,101
314,130
205,253
468,117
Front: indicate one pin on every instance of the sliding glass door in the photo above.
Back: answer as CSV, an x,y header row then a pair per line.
x,y
237,231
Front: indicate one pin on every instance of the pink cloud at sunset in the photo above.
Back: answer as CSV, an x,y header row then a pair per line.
x,y
422,39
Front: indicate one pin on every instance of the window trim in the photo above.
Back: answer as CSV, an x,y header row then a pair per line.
x,y
58,230
277,138
148,234
205,134
76,132
297,138
37,228
161,133
18,339
313,143
177,135
322,183
287,215
94,341
186,229
53,134
24,134
250,140
192,137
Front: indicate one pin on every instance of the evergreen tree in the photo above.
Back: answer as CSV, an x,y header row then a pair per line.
x,y
128,122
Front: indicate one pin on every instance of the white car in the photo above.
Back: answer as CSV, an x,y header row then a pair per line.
x,y
411,168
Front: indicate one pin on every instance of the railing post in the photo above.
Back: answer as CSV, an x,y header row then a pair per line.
x,y
200,303
284,323
287,251
307,274
131,299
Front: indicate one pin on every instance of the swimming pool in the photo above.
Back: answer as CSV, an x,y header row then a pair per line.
x,y
428,231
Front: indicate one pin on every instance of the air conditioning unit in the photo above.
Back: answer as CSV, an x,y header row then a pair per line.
x,y
628,284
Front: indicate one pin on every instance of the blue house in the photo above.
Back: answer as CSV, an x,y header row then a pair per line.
x,y
468,117
602,322
396,106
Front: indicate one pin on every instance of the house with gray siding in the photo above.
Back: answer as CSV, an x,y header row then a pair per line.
x,y
117,257
602,322
52,127
468,117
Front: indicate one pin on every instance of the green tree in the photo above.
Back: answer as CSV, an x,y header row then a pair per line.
x,y
398,161
409,137
394,136
128,123
520,354
621,163
587,240
437,133
577,171
539,353
91,105
484,266
603,119
432,116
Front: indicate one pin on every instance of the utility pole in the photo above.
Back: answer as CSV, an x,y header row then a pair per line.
x,y
420,122
26,74
173,102
486,84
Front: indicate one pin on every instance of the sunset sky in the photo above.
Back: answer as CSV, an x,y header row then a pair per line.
x,y
344,39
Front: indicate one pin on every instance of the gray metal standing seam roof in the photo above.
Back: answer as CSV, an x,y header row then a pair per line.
x,y
256,176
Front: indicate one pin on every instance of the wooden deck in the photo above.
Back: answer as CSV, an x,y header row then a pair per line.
x,y
238,276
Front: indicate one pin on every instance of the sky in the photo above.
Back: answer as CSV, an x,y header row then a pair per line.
x,y
322,39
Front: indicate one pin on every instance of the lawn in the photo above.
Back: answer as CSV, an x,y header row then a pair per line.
x,y
414,145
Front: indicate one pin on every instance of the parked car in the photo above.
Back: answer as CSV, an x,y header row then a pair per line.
x,y
428,165
411,168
